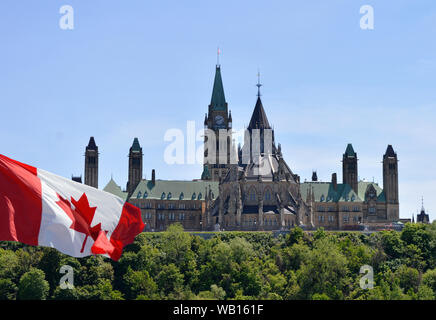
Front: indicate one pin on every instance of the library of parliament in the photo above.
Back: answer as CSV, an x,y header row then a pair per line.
x,y
255,192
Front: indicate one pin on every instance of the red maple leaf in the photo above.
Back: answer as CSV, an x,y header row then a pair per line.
x,y
81,215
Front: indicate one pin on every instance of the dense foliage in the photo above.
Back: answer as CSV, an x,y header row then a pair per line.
x,y
234,265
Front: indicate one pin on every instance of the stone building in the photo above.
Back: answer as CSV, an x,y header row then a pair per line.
x,y
422,217
252,187
273,198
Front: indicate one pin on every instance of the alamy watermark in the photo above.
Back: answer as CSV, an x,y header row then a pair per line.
x,y
367,280
67,280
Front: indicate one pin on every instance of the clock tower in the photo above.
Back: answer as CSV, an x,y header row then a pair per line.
x,y
218,127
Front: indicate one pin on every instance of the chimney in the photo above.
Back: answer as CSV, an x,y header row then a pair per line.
x,y
335,181
153,176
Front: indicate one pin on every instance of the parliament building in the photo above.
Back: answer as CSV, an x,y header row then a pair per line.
x,y
254,189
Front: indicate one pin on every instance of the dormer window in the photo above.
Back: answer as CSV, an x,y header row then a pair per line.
x,y
200,196
138,196
169,196
162,197
181,196
194,196
353,197
322,198
145,195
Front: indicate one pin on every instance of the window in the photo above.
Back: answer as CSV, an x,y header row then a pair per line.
x,y
181,196
169,196
162,196
322,198
321,209
194,196
353,197
181,216
345,218
252,195
171,206
182,206
372,210
321,218
267,195
331,219
200,196
139,195
356,209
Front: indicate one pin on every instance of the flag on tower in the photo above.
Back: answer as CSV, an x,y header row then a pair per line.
x,y
40,208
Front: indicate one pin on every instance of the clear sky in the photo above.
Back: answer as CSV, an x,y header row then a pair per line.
x,y
138,68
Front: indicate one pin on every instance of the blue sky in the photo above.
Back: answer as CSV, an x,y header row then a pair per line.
x,y
137,68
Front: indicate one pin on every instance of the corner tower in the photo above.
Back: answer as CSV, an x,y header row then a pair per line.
x,y
91,164
349,167
390,182
217,124
135,166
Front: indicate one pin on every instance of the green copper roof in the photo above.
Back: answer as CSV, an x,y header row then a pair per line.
x,y
349,152
363,186
115,189
325,192
206,174
175,190
135,146
218,100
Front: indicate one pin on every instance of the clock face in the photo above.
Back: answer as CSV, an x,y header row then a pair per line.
x,y
219,120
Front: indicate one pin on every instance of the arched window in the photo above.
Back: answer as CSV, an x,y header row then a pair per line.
x,y
267,195
252,194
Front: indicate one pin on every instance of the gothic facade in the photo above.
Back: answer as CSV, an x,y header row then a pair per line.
x,y
251,186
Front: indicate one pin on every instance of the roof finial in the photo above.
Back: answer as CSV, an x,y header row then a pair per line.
x,y
218,52
422,203
258,85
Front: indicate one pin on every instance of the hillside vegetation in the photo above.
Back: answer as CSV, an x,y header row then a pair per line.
x,y
234,265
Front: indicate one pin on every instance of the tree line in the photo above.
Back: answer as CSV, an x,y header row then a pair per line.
x,y
234,265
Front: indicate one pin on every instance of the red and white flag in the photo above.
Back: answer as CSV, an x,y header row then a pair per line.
x,y
42,209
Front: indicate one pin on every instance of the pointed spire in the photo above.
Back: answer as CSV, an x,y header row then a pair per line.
x,y
230,116
91,144
390,152
205,119
259,119
218,100
349,152
135,146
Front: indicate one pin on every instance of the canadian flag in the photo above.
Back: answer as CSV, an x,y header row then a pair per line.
x,y
42,209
